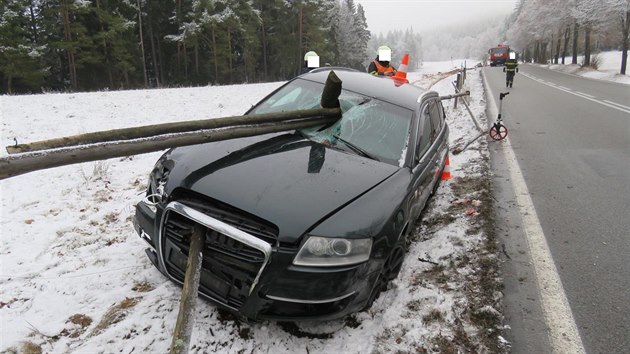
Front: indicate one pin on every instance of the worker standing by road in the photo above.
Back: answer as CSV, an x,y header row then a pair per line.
x,y
380,65
510,68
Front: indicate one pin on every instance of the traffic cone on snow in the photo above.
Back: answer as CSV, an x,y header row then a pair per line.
x,y
401,74
446,174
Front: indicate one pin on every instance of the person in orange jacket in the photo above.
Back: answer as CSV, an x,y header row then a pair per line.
x,y
380,65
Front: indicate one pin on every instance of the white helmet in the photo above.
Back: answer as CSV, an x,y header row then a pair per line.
x,y
312,59
384,53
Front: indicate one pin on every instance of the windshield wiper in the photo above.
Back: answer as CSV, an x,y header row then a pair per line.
x,y
356,148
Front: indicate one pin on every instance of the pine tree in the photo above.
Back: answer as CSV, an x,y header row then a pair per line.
x,y
20,53
363,37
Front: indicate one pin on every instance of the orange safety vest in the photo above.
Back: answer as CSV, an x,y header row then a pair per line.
x,y
381,70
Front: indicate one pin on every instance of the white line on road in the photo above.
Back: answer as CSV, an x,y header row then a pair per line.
x,y
583,95
563,333
617,104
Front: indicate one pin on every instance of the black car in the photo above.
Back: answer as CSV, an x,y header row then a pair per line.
x,y
308,224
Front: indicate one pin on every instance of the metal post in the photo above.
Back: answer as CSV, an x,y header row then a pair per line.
x,y
457,88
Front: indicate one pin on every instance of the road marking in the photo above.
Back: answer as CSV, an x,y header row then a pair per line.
x,y
563,333
584,95
617,104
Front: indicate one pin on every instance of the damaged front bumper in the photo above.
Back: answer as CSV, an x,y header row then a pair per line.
x,y
247,276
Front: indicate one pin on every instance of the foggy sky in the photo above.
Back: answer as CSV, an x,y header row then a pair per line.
x,y
422,15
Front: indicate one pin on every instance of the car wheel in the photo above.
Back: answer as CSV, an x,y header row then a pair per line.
x,y
389,272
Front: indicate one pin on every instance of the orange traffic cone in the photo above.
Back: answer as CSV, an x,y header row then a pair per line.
x,y
446,174
401,74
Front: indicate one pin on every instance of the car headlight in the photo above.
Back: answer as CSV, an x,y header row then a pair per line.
x,y
157,182
331,252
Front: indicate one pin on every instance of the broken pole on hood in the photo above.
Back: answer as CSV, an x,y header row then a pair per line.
x,y
149,131
91,148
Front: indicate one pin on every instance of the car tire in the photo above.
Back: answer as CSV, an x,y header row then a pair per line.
x,y
389,271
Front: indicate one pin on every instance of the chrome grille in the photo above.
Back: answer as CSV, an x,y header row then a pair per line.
x,y
232,259
232,216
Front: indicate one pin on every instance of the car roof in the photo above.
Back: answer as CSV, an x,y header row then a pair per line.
x,y
382,88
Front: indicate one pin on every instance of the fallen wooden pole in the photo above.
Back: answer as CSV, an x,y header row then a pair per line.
x,y
458,150
190,288
448,97
15,165
75,151
170,128
329,102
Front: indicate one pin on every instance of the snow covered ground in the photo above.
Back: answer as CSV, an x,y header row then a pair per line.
x,y
74,276
609,66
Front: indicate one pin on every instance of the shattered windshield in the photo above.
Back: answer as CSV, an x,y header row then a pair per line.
x,y
368,127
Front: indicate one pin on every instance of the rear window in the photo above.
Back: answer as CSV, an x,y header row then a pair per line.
x,y
502,50
377,127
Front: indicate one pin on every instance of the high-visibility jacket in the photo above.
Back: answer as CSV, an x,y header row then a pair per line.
x,y
383,70
510,66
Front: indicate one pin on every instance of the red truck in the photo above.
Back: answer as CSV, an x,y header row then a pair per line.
x,y
499,54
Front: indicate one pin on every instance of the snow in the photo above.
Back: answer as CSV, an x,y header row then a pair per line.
x,y
609,66
68,247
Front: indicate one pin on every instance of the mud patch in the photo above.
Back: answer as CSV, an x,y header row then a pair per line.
x,y
115,314
79,323
143,287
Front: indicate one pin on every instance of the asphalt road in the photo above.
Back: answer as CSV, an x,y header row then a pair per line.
x,y
570,136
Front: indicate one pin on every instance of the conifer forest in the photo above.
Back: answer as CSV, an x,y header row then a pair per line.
x,y
82,45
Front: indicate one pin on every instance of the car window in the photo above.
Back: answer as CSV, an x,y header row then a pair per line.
x,y
303,94
499,50
291,97
426,133
436,118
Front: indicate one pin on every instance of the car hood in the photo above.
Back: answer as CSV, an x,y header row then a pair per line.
x,y
285,179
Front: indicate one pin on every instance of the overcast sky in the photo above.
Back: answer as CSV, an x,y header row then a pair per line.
x,y
386,15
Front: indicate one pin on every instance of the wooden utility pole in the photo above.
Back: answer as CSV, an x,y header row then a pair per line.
x,y
23,163
150,131
190,288
132,141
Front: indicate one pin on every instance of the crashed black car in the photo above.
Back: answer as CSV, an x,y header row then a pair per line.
x,y
308,224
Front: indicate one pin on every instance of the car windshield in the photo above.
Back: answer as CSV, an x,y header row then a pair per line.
x,y
369,127
501,50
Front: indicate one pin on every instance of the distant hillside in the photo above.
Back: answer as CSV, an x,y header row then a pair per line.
x,y
469,40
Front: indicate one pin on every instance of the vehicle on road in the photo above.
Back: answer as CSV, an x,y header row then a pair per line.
x,y
308,224
499,54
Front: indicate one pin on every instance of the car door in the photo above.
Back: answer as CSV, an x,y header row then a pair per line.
x,y
429,154
422,166
440,138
